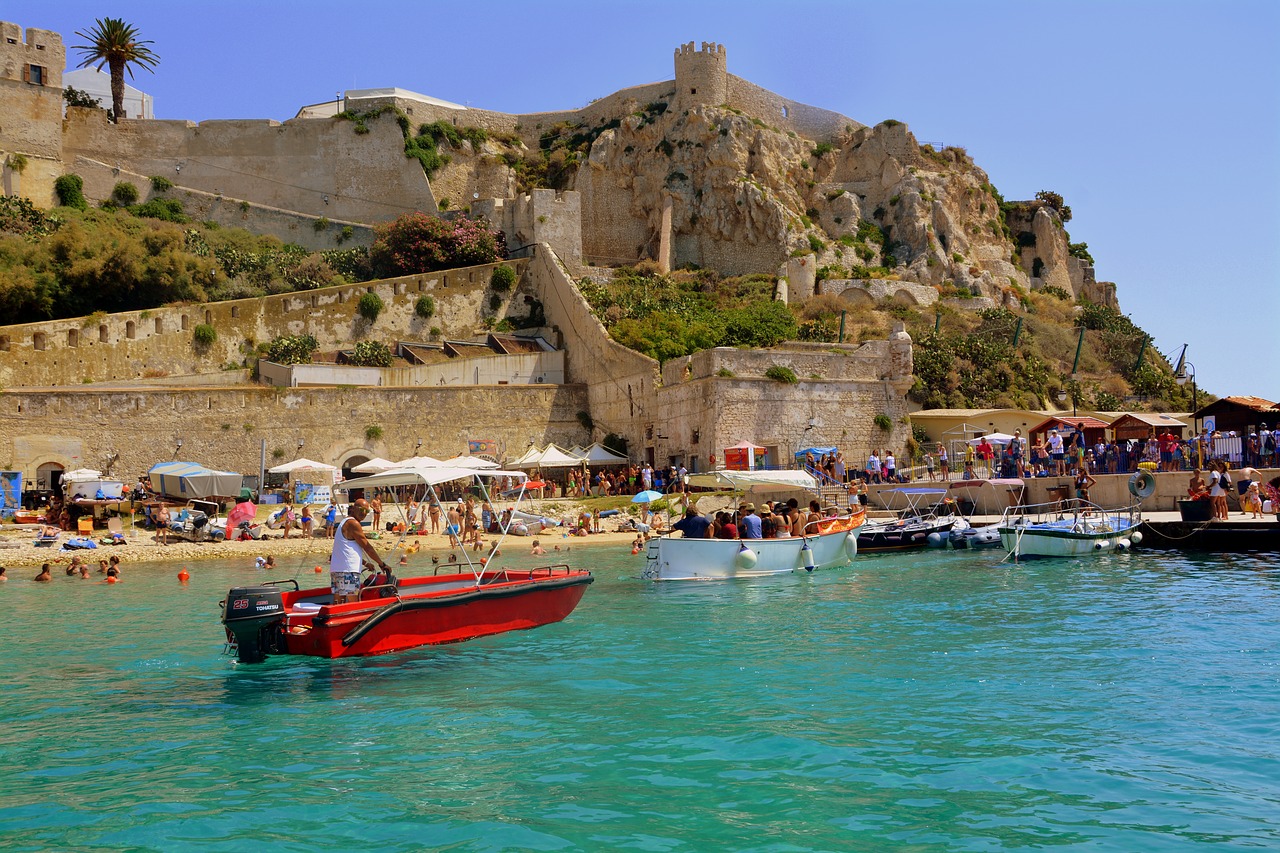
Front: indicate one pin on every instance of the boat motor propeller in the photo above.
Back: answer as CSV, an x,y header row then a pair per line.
x,y
253,616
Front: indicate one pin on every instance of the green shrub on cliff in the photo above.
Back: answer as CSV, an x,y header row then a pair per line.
x,y
292,349
417,242
371,354
70,191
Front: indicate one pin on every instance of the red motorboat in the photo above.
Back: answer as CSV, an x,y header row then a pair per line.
x,y
395,614
406,613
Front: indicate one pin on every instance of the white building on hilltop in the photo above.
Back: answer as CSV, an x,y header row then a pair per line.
x,y
137,103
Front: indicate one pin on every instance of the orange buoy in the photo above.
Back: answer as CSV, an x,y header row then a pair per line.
x,y
184,575
319,570
635,551
484,561
111,579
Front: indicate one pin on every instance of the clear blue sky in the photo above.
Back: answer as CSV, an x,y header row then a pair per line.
x,y
1159,122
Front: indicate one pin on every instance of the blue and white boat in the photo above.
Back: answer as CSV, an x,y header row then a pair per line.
x,y
1077,529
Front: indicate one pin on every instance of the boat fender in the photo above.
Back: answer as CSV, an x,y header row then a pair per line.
x,y
1136,537
1122,544
746,558
1100,544
935,540
851,545
806,557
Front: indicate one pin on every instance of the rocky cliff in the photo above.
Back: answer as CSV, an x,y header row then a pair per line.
x,y
724,189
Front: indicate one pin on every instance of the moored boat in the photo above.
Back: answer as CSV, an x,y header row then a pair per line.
x,y
393,614
918,526
1078,529
825,544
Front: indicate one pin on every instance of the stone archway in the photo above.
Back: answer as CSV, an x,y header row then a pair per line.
x,y
49,476
905,297
352,458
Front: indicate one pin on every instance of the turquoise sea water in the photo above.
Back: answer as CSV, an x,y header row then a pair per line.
x,y
935,701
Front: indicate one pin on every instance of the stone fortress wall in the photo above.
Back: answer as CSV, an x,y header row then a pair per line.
x,y
314,233
677,412
130,345
319,167
224,427
31,66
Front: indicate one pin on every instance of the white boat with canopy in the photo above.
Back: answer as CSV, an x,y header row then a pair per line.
x,y
832,541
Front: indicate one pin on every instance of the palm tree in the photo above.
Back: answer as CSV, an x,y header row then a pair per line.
x,y
115,44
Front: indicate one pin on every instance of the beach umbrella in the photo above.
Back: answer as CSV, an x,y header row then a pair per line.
x,y
647,496
243,511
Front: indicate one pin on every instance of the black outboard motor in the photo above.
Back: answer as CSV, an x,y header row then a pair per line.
x,y
253,616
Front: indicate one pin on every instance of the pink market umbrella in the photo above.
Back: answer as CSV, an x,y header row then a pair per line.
x,y
243,511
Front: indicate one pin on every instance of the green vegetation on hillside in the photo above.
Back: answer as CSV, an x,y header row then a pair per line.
x,y
667,316
969,361
69,262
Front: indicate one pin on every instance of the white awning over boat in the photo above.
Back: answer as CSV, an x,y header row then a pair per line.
x,y
424,476
742,480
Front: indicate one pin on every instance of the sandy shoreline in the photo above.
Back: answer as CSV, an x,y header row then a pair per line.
x,y
17,548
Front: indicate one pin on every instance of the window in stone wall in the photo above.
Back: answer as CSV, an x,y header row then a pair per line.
x,y
159,326
185,322
130,330
785,112
208,317
73,338
235,311
37,340
695,437
103,335
4,343
36,75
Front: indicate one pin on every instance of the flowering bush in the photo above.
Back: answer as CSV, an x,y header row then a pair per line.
x,y
417,242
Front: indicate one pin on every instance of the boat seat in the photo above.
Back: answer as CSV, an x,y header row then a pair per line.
x,y
304,607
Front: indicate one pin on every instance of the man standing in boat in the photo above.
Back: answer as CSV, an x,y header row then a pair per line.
x,y
348,543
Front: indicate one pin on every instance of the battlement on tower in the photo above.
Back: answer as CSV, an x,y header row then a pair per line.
x,y
36,58
702,75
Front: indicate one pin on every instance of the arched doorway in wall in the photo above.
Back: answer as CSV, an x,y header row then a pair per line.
x,y
351,460
49,476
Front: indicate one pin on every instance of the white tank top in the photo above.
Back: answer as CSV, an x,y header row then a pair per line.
x,y
347,555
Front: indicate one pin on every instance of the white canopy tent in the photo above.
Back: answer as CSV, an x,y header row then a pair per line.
x,y
529,457
992,438
376,465
290,467
471,462
417,462
425,475
554,457
598,454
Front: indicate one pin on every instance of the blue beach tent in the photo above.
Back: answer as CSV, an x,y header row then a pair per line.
x,y
816,451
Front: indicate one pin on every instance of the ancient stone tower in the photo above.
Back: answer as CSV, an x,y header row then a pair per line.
x,y
702,76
